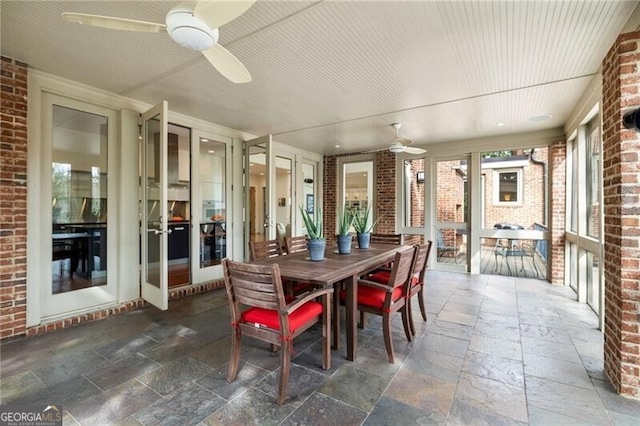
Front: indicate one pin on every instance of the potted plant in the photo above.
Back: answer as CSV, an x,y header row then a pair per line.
x,y
313,224
363,227
345,220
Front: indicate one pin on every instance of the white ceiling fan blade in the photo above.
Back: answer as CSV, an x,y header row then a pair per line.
x,y
216,13
412,150
227,64
113,22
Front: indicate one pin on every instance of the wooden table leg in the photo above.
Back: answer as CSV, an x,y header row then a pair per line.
x,y
351,305
335,320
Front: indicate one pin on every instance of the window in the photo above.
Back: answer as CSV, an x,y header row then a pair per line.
x,y
508,184
584,189
593,144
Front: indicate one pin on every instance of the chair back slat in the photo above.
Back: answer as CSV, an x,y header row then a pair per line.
x,y
296,244
402,267
423,269
420,261
259,250
386,239
253,285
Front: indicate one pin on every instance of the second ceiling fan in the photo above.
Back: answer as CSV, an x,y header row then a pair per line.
x,y
401,144
193,27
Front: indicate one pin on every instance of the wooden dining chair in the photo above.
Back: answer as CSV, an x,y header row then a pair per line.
x,y
271,317
386,299
418,268
296,244
259,250
396,239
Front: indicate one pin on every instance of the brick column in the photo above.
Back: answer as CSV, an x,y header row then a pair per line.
x,y
557,211
330,198
13,199
621,191
385,190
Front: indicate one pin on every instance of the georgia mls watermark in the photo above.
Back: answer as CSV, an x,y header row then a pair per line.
x,y
30,415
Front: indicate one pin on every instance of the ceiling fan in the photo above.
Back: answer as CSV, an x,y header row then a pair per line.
x,y
193,27
401,144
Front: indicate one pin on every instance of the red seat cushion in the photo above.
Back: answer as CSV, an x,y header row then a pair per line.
x,y
382,277
269,317
374,297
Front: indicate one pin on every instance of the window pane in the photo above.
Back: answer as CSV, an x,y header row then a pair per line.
x,y
594,143
506,175
414,193
79,199
358,185
508,189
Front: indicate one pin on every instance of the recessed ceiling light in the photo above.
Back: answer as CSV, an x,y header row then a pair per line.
x,y
337,146
205,140
542,117
501,124
211,151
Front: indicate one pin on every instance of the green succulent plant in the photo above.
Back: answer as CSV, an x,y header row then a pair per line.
x,y
345,220
313,224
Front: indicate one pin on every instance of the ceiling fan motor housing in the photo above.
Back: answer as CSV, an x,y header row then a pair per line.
x,y
189,31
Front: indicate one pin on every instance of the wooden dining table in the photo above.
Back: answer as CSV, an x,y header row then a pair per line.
x,y
337,268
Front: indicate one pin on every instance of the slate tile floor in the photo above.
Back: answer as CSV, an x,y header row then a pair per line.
x,y
495,350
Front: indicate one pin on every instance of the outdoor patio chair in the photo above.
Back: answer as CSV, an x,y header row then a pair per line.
x,y
506,248
271,317
418,269
386,299
296,244
264,249
449,246
386,239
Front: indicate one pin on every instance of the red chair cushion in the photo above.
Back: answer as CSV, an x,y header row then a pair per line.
x,y
382,277
269,317
374,297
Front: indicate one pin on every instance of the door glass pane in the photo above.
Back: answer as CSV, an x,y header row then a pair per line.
x,y
178,204
413,194
79,199
283,192
213,225
154,209
257,201
358,185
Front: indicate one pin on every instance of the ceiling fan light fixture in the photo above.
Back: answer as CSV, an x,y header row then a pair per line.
x,y
189,31
396,148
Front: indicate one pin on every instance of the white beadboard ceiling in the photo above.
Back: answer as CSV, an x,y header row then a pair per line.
x,y
329,73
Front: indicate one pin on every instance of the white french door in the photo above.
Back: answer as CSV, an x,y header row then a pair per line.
x,y
212,211
154,204
260,223
76,208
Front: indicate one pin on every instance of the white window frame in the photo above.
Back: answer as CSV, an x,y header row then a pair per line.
x,y
496,187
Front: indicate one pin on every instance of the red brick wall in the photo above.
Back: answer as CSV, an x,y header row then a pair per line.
x,y
417,194
531,208
557,211
385,190
13,199
621,193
